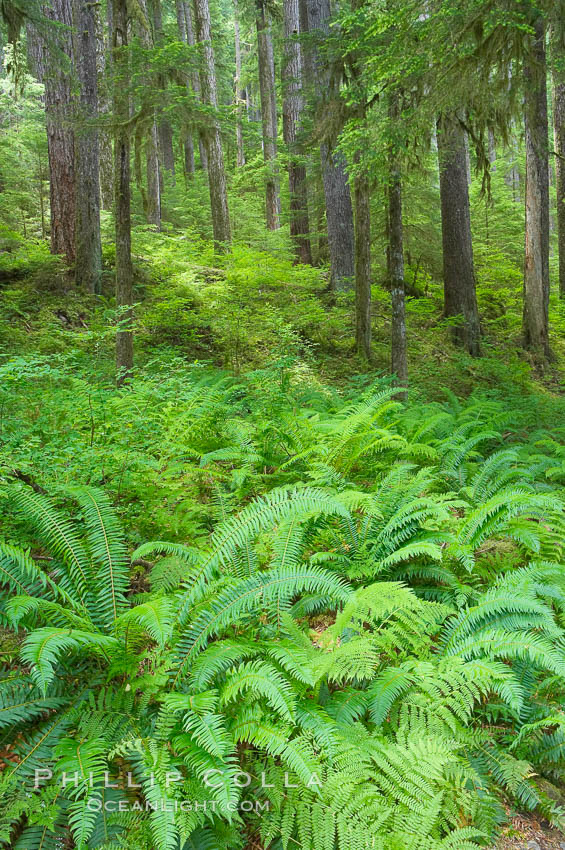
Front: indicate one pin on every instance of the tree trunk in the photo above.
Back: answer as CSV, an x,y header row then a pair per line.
x,y
122,203
167,147
363,265
195,82
88,264
266,63
188,151
293,105
399,364
239,94
339,218
187,140
315,16
151,198
165,128
52,71
460,298
213,139
536,263
559,142
106,152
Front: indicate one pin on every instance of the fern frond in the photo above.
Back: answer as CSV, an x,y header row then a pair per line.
x,y
108,552
58,534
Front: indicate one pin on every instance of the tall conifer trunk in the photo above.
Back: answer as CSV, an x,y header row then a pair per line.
x,y
239,93
293,105
363,264
88,263
152,197
122,202
165,127
195,81
54,72
213,139
187,140
460,298
314,18
399,364
266,62
105,143
559,141
536,260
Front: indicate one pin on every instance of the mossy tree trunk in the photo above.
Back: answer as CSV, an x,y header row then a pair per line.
x,y
213,140
54,71
315,19
363,329
88,262
460,297
558,55
122,201
239,93
399,363
293,106
266,63
536,258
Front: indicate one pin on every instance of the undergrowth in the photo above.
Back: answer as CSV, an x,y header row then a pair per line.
x,y
264,601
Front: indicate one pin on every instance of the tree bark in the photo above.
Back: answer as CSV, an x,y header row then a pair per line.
x,y
213,140
187,140
88,263
293,106
399,364
460,298
314,17
239,93
52,71
153,170
195,82
151,198
266,63
106,152
363,265
165,127
559,142
536,260
122,203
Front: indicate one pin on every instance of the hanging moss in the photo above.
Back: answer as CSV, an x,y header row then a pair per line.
x,y
13,15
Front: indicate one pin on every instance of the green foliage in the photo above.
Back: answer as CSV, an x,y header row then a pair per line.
x,y
371,633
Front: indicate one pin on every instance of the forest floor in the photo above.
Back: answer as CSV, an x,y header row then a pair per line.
x,y
240,318
525,832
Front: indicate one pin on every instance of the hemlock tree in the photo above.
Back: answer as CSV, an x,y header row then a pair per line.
x,y
152,196
460,297
195,81
213,140
536,261
363,330
239,93
266,66
88,264
293,106
164,125
51,58
398,364
122,202
315,20
558,73
187,138
105,141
